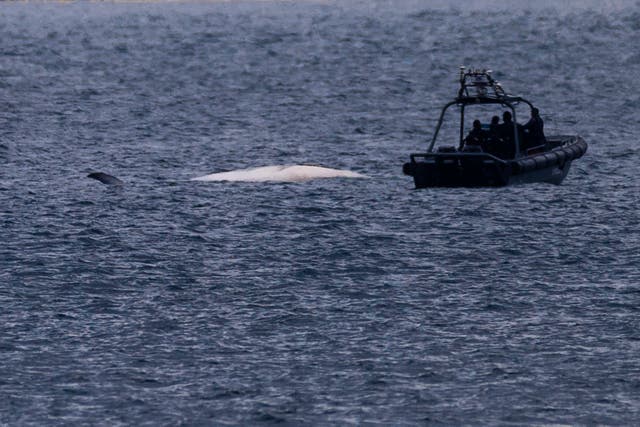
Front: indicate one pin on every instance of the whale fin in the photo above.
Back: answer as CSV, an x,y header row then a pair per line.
x,y
105,178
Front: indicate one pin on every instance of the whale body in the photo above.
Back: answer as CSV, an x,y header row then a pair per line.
x,y
105,178
292,173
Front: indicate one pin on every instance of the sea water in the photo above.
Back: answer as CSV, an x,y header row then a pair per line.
x,y
345,297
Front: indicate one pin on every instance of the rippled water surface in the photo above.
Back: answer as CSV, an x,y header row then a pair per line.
x,y
329,301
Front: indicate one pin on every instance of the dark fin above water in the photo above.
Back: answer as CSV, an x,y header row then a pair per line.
x,y
105,178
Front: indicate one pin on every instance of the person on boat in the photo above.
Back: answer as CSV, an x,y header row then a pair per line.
x,y
506,135
505,129
534,130
493,127
492,145
476,139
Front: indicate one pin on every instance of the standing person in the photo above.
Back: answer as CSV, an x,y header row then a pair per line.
x,y
493,144
506,133
493,127
505,129
534,129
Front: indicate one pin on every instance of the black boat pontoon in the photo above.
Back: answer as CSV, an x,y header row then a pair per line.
x,y
523,161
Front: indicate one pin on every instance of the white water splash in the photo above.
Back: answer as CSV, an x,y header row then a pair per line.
x,y
295,173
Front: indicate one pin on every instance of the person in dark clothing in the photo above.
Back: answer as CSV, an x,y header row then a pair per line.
x,y
476,139
493,127
505,132
493,139
534,130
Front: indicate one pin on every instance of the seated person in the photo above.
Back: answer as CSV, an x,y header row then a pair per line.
x,y
476,139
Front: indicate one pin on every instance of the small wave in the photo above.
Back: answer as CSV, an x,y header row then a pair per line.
x,y
294,173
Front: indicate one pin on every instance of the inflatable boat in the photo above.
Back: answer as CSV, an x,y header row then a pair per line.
x,y
495,158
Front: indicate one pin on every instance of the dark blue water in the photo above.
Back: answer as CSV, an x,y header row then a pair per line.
x,y
330,301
